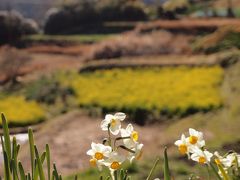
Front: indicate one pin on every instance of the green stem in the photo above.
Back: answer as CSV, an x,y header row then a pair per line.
x,y
208,172
153,168
215,171
109,136
117,139
225,176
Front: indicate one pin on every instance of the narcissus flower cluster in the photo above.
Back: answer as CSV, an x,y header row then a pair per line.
x,y
194,147
120,145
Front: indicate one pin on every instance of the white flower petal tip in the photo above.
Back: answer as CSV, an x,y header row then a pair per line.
x,y
113,122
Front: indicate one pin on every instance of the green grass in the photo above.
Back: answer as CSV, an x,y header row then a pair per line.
x,y
83,38
160,91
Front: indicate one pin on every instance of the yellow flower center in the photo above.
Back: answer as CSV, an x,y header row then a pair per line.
x,y
217,161
202,160
115,165
134,135
98,155
93,162
182,149
113,122
193,139
139,155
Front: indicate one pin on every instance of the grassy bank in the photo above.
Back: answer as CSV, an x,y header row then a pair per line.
x,y
83,38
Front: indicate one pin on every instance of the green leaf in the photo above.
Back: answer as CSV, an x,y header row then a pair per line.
x,y
36,172
225,176
166,166
76,177
39,164
21,171
215,171
153,168
121,174
14,170
14,158
115,174
18,147
126,175
43,156
31,148
7,142
55,172
48,161
6,166
28,176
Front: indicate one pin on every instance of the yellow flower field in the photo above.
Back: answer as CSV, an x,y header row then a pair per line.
x,y
168,91
21,112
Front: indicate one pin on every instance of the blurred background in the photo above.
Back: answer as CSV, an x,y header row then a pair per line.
x,y
168,64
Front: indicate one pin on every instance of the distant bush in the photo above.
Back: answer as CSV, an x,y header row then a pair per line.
x,y
13,26
21,112
149,93
121,10
47,90
70,16
88,16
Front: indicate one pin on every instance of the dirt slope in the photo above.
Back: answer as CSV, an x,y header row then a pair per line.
x,y
70,136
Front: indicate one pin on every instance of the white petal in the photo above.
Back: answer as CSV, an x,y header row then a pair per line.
x,y
104,125
183,138
93,145
120,116
115,129
192,132
129,128
201,143
178,143
90,152
124,133
109,117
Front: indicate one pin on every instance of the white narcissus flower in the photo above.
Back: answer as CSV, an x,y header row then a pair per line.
x,y
133,136
99,153
183,145
202,157
230,159
226,162
114,161
138,152
196,138
113,122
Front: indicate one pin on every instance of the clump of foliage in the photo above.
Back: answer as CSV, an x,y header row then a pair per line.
x,y
13,168
149,93
21,112
47,90
13,26
89,16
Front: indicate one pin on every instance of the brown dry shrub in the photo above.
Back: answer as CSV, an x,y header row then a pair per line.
x,y
224,38
12,61
134,44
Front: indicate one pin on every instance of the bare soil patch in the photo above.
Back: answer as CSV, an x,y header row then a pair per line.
x,y
70,136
